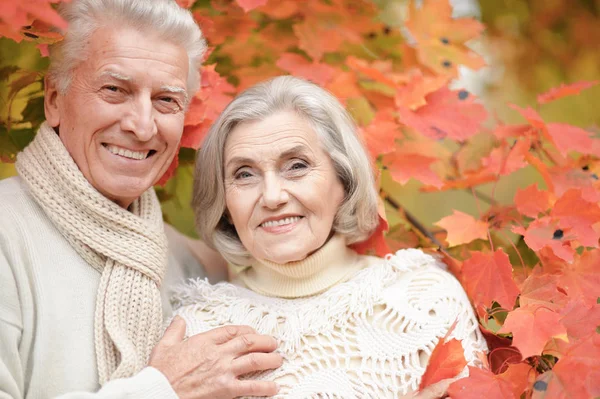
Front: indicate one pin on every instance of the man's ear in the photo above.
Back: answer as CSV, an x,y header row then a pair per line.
x,y
51,106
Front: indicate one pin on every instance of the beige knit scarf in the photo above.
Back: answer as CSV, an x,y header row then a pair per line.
x,y
128,247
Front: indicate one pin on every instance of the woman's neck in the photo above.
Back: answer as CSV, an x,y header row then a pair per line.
x,y
333,263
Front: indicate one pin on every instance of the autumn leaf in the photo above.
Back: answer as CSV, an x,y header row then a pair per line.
x,y
577,373
403,167
16,14
412,94
565,90
484,384
531,201
248,5
462,228
575,213
440,39
313,30
581,279
376,243
297,65
564,179
546,232
532,327
580,318
381,134
542,289
452,114
447,361
487,278
568,138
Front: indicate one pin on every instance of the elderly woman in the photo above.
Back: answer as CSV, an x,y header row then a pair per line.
x,y
283,187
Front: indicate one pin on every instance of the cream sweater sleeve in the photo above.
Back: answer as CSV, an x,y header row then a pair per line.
x,y
149,383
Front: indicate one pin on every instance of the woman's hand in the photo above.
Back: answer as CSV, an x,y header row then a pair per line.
x,y
208,365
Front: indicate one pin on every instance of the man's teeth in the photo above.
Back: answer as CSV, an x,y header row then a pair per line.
x,y
127,153
281,222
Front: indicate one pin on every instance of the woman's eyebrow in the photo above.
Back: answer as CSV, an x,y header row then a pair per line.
x,y
238,161
294,151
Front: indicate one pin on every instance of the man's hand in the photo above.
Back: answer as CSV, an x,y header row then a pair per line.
x,y
208,365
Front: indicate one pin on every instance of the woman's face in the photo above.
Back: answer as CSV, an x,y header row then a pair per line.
x,y
281,190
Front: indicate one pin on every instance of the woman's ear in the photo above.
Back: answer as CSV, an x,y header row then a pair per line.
x,y
51,102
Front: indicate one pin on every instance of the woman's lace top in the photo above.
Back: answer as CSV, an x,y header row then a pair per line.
x,y
368,337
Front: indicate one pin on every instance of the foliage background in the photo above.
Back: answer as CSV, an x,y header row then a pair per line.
x,y
508,196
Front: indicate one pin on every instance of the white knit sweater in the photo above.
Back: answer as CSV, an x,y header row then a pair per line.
x,y
369,336
47,302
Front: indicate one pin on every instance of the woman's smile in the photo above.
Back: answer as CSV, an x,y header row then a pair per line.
x,y
281,225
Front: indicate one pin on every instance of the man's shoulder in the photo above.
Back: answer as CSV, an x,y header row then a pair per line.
x,y
14,197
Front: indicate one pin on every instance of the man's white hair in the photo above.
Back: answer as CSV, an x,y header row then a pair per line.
x,y
356,217
163,18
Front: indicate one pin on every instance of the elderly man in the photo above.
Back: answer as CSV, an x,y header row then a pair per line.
x,y
84,256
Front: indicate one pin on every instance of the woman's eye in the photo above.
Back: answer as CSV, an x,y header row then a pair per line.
x,y
298,166
243,174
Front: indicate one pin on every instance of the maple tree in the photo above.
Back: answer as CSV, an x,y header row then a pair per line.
x,y
531,267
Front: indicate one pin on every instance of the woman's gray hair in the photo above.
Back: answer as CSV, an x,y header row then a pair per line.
x,y
356,218
163,18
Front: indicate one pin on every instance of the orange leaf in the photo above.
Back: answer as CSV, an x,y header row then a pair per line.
x,y
545,232
532,327
375,244
531,201
248,5
297,65
580,319
447,361
462,228
581,279
482,384
488,277
565,90
453,114
381,134
403,167
579,215
571,138
578,371
542,289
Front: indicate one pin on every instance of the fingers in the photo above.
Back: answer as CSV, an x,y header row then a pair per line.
x,y
225,334
256,362
255,388
247,343
175,332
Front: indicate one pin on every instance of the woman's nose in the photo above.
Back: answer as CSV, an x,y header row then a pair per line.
x,y
274,194
140,119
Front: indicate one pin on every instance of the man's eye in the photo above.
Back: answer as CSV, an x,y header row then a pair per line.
x,y
167,99
112,88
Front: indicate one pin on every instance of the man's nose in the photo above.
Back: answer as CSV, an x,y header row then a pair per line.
x,y
140,119
274,193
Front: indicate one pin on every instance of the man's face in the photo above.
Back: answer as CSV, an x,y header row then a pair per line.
x,y
121,118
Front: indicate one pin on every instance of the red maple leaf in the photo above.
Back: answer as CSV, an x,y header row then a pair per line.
x,y
452,114
381,134
484,384
531,201
297,65
462,228
577,373
581,279
16,14
575,213
572,138
248,5
546,232
532,327
404,166
487,277
542,289
447,361
376,243
580,318
565,90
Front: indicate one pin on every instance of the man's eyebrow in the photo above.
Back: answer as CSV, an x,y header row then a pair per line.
x,y
176,90
117,76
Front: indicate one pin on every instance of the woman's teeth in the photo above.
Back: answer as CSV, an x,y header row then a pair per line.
x,y
281,222
127,153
